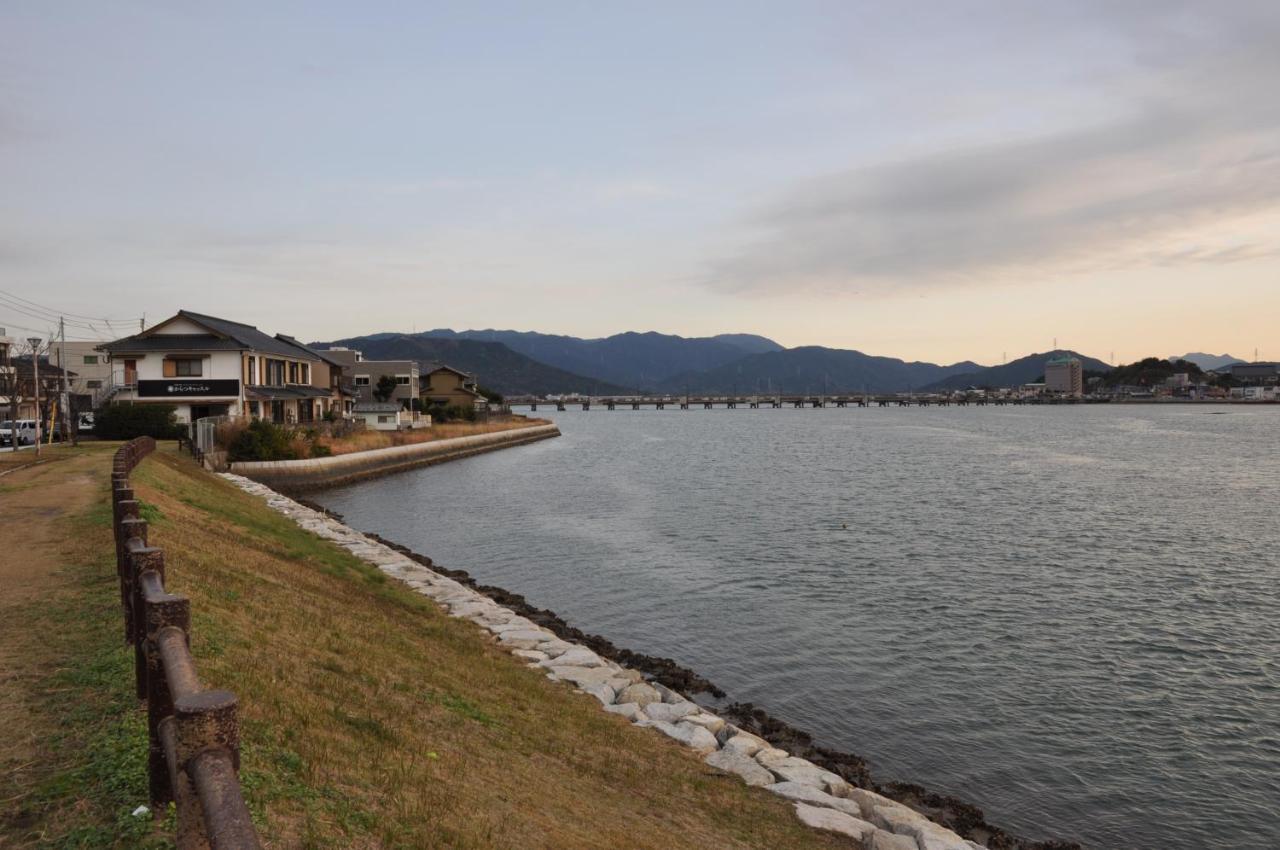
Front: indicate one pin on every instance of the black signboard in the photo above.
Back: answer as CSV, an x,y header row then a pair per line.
x,y
188,388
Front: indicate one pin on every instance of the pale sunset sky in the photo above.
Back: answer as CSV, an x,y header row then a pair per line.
x,y
927,180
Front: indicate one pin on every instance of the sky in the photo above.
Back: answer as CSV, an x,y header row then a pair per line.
x,y
935,181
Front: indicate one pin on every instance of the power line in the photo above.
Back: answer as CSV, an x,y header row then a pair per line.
x,y
84,326
48,331
60,313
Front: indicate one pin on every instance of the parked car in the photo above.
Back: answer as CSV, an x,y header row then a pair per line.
x,y
26,432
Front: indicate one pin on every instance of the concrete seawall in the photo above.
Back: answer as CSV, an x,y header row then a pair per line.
x,y
316,473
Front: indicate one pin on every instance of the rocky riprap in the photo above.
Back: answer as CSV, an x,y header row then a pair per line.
x,y
824,798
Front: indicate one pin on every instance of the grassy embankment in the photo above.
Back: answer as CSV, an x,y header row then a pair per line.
x,y
365,440
370,719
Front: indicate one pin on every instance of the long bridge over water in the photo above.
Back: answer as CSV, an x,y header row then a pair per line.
x,y
757,401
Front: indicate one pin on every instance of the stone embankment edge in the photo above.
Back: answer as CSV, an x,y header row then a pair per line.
x,y
822,799
316,473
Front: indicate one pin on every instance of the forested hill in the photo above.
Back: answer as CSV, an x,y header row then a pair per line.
x,y
814,369
643,360
495,365
1024,370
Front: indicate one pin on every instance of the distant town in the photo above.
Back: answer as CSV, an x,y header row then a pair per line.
x,y
204,366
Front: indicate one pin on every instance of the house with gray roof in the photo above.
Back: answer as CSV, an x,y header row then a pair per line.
x,y
207,366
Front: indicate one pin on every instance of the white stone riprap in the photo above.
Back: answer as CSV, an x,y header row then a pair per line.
x,y
823,800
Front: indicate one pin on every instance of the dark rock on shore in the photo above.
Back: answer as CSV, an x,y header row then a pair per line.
x,y
662,670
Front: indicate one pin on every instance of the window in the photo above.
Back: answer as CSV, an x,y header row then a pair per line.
x,y
402,380
362,380
293,372
94,385
91,360
253,370
274,373
184,367
304,372
383,420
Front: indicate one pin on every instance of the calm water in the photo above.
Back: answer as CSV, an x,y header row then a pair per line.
x,y
1069,616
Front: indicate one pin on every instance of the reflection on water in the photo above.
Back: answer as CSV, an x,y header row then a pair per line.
x,y
1068,615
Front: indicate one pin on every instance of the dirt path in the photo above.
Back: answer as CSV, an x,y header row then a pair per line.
x,y
34,553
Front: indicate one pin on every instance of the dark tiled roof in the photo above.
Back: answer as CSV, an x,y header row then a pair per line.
x,y
227,336
436,367
250,336
261,393
319,355
172,342
376,407
22,365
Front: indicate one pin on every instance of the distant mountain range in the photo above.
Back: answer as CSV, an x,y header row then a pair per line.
x,y
530,363
495,365
813,369
1024,370
1208,362
642,360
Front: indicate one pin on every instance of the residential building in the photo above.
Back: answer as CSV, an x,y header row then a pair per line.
x,y
8,377
366,374
388,416
23,377
207,366
332,373
447,386
1064,376
92,385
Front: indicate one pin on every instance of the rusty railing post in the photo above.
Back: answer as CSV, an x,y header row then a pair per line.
x,y
208,745
161,611
141,558
125,509
193,754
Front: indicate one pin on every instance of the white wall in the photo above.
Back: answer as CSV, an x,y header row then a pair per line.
x,y
216,365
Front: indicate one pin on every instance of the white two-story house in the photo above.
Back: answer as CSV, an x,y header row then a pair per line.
x,y
206,366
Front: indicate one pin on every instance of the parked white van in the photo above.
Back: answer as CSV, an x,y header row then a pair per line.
x,y
26,432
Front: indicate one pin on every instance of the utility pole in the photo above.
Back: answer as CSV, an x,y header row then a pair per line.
x,y
12,372
35,374
70,427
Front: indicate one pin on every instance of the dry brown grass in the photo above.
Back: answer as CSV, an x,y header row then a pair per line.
x,y
371,719
362,441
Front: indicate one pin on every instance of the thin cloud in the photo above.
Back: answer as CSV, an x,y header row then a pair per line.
x,y
1195,147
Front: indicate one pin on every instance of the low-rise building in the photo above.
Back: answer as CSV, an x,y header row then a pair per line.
x,y
388,416
23,384
1256,373
366,374
448,386
207,366
92,384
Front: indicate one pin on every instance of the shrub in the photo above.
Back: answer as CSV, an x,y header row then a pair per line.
x,y
452,413
463,412
263,440
120,421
